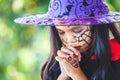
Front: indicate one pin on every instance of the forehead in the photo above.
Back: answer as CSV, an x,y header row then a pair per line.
x,y
70,27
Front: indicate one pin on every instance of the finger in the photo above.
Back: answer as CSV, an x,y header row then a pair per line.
x,y
67,51
74,50
77,53
60,60
63,62
62,54
76,65
69,58
79,57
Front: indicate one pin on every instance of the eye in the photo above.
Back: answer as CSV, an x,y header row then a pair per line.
x,y
77,30
61,32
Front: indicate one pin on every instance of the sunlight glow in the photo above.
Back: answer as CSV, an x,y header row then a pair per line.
x,y
17,5
11,70
27,58
5,31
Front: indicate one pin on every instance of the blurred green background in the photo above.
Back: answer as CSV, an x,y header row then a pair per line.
x,y
24,48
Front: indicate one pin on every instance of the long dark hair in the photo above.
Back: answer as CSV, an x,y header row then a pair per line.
x,y
102,50
100,46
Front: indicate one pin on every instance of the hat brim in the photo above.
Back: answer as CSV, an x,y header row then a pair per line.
x,y
45,20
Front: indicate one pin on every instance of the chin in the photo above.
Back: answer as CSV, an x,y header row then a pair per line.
x,y
82,50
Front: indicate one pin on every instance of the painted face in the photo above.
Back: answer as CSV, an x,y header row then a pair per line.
x,y
79,37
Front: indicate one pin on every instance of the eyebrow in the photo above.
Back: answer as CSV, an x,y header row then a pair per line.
x,y
59,29
68,26
75,27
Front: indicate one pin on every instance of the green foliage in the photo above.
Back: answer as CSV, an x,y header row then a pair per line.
x,y
24,48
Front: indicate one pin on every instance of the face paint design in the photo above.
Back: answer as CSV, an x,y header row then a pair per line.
x,y
85,36
82,38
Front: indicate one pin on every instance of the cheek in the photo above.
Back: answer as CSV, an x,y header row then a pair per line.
x,y
63,39
84,46
82,43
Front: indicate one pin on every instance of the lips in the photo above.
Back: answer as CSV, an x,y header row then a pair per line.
x,y
77,47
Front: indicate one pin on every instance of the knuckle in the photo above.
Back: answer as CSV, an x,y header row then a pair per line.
x,y
72,52
62,48
64,61
58,52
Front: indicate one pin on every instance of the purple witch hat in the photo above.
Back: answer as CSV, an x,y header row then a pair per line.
x,y
73,12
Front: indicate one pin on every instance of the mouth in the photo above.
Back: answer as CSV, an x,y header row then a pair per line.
x,y
77,47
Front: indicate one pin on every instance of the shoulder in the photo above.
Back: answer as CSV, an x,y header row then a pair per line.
x,y
115,48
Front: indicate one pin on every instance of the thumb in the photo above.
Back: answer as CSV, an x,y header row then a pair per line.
x,y
60,60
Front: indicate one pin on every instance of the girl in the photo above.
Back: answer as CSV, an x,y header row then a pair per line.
x,y
83,53
81,48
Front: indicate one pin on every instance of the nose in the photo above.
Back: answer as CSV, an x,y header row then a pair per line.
x,y
70,38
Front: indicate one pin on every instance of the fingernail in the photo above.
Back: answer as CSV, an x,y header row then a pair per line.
x,y
74,55
69,58
65,46
69,46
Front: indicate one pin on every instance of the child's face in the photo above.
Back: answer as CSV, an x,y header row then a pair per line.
x,y
79,37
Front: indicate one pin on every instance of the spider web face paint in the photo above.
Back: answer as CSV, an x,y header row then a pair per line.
x,y
84,39
85,36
